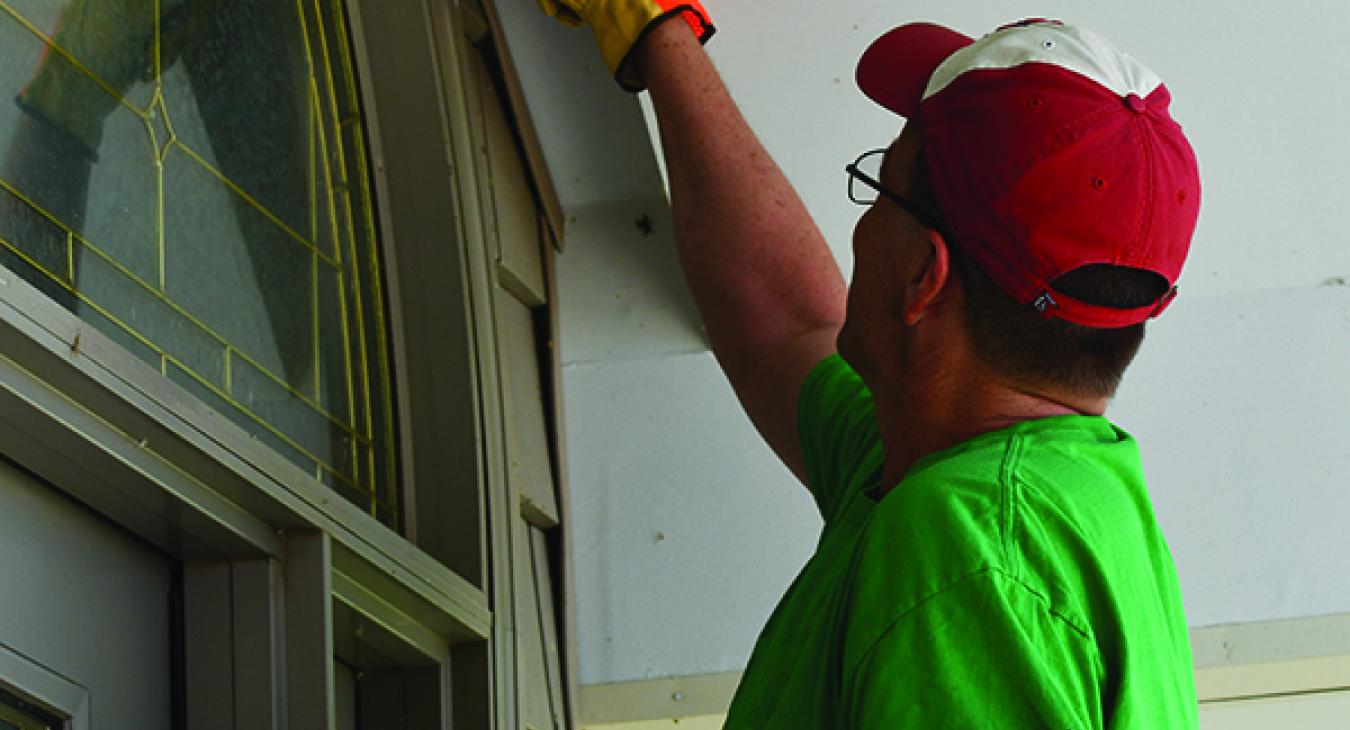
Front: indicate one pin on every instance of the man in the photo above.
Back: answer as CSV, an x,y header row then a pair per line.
x,y
989,557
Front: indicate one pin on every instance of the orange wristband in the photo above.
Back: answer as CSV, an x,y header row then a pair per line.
x,y
620,25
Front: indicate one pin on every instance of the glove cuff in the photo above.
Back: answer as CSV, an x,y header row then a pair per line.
x,y
619,36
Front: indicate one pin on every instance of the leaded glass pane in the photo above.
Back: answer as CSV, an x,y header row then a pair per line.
x,y
190,177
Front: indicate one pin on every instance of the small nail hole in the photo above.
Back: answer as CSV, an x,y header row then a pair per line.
x,y
1099,183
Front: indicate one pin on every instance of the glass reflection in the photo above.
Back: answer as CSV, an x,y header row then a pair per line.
x,y
167,171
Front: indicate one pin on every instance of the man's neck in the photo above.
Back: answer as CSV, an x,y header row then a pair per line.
x,y
919,421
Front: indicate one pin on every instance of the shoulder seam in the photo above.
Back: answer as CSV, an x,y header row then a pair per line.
x,y
1079,627
1044,600
1006,480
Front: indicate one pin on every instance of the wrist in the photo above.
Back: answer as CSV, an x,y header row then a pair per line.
x,y
660,45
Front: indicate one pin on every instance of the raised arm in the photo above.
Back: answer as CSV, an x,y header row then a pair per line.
x,y
767,287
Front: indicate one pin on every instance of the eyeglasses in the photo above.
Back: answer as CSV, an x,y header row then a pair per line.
x,y
867,171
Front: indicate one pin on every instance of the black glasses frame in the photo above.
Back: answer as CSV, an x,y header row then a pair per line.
x,y
855,174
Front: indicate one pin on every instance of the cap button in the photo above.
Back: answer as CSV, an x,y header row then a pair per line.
x,y
1133,101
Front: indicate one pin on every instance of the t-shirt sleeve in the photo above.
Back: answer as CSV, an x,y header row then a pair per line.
x,y
985,652
837,428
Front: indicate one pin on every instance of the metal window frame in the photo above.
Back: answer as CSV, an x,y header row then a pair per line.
x,y
432,229
458,26
92,419
98,423
280,572
435,224
53,692
78,410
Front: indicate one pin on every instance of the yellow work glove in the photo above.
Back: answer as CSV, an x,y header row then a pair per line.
x,y
618,25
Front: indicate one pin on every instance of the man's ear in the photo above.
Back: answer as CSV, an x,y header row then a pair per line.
x,y
928,276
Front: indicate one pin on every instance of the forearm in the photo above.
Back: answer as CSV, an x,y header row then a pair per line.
x,y
757,266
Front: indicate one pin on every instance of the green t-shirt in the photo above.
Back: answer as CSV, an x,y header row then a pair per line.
x,y
1017,580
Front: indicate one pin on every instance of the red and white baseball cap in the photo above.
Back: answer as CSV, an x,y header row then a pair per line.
x,y
1048,149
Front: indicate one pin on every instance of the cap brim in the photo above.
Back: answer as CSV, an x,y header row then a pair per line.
x,y
895,69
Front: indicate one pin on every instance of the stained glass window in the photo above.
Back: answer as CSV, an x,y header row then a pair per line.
x,y
190,177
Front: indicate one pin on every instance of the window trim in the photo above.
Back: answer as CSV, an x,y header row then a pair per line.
x,y
100,424
53,692
431,227
87,416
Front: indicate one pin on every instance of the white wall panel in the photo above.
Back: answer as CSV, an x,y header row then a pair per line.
x,y
1239,403
622,296
686,529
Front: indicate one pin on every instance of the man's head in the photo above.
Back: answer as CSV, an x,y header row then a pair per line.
x,y
1050,178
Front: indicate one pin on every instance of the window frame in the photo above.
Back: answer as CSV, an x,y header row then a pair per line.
x,y
97,422
45,688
